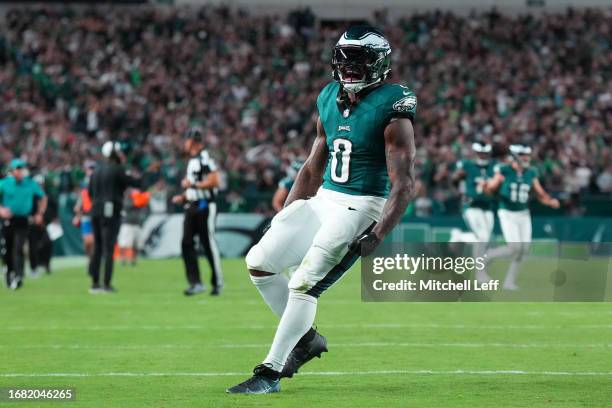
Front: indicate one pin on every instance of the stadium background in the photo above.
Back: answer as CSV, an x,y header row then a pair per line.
x,y
74,77
70,77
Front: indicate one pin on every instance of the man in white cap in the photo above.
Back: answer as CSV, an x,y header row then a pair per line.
x,y
106,187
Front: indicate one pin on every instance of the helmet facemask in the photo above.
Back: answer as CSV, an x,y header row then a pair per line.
x,y
524,160
521,154
482,152
361,58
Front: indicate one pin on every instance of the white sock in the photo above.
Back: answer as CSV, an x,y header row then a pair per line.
x,y
274,291
512,273
296,321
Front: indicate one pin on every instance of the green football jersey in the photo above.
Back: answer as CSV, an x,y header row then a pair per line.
x,y
475,175
355,138
286,183
515,190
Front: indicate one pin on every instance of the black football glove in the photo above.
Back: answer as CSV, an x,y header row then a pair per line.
x,y
365,244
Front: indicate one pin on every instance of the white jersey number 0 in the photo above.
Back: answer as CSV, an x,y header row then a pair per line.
x,y
341,156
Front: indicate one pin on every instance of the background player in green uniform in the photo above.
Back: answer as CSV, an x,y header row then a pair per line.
x,y
285,184
514,184
477,206
352,190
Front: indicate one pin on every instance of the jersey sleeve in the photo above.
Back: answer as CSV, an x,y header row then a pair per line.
x,y
286,183
324,96
38,191
460,165
535,174
402,103
500,168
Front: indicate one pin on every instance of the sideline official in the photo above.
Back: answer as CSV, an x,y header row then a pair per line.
x,y
201,185
106,187
19,193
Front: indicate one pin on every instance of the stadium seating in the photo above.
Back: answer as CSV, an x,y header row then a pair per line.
x,y
71,78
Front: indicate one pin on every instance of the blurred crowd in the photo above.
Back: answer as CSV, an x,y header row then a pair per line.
x,y
72,78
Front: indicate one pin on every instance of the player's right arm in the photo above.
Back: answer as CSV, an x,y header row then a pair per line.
x,y
459,173
310,176
543,197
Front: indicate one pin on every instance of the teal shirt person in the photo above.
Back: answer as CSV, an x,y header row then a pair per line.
x,y
355,137
18,195
515,191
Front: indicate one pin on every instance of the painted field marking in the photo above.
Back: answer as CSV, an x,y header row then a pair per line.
x,y
324,373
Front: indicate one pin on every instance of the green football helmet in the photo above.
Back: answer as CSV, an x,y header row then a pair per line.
x,y
361,58
482,151
521,153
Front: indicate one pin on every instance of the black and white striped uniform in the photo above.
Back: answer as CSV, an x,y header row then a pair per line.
x,y
200,218
197,169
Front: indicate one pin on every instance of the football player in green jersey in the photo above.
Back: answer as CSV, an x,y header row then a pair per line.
x,y
285,184
349,194
514,184
477,206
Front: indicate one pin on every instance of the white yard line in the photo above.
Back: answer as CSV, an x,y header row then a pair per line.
x,y
326,373
502,327
332,345
440,345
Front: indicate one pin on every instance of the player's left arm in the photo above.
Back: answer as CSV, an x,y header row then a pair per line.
x,y
278,201
458,174
42,204
399,153
543,196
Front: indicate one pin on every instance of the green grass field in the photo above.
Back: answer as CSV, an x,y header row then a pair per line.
x,y
149,346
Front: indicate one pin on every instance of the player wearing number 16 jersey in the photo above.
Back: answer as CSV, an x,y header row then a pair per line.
x,y
351,191
515,183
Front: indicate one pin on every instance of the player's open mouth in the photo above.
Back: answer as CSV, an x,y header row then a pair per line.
x,y
351,74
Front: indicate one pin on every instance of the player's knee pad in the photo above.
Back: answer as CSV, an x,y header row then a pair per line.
x,y
308,275
298,285
256,260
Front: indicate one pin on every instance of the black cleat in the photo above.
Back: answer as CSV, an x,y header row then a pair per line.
x,y
216,291
302,353
264,381
109,289
96,289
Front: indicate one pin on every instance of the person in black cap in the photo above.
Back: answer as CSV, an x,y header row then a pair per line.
x,y
106,187
18,193
201,184
40,245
